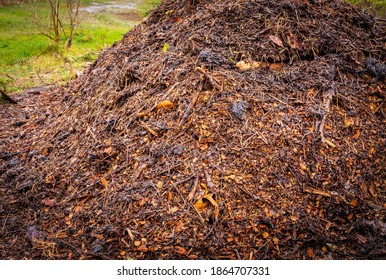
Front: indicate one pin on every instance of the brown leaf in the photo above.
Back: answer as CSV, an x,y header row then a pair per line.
x,y
167,104
243,65
354,202
109,151
48,202
104,182
357,134
143,248
201,204
276,40
180,250
293,42
275,66
173,210
141,114
311,253
372,191
303,166
205,202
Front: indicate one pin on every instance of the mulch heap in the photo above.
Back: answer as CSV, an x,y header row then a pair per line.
x,y
215,129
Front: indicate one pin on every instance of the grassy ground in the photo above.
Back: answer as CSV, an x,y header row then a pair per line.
x,y
377,7
28,59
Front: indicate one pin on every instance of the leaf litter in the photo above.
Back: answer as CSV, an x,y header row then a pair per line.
x,y
213,130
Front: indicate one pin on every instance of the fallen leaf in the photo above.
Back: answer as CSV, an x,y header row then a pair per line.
x,y
242,65
109,151
50,179
205,202
275,66
165,47
48,202
180,250
294,43
371,152
349,122
265,234
202,204
173,210
104,182
143,248
311,253
354,202
303,166
372,191
357,134
276,40
46,152
165,104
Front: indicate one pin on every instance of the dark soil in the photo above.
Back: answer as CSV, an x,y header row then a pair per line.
x,y
216,129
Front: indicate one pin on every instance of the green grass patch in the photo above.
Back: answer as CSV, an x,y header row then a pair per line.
x,y
146,6
28,59
375,7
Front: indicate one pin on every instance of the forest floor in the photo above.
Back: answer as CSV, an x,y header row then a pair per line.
x,y
213,130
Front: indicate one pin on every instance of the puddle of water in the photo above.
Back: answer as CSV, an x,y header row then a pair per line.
x,y
99,7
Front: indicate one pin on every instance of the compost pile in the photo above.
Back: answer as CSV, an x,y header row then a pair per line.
x,y
215,129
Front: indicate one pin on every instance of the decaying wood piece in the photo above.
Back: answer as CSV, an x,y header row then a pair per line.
x,y
328,98
189,109
215,84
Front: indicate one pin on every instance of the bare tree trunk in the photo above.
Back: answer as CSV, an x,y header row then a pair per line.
x,y
73,12
55,19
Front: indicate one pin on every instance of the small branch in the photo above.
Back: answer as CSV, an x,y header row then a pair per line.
x,y
209,181
329,95
188,110
211,80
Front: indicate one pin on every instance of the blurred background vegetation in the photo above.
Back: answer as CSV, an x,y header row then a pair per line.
x,y
29,59
375,7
